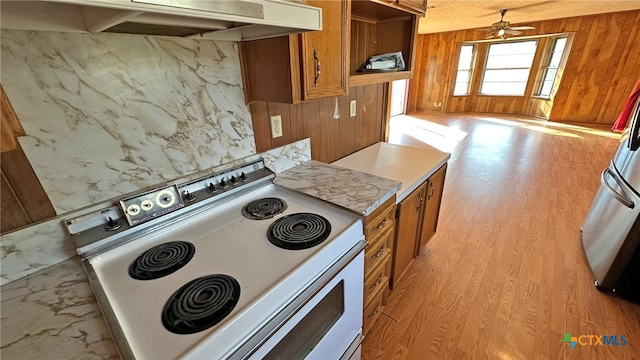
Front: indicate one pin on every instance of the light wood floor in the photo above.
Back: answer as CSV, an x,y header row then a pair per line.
x,y
505,275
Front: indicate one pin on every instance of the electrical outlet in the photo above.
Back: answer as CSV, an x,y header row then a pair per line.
x,y
276,126
352,108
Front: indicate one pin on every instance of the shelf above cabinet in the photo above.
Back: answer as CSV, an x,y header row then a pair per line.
x,y
359,79
377,28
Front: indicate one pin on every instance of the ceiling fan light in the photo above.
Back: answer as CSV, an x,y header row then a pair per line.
x,y
501,32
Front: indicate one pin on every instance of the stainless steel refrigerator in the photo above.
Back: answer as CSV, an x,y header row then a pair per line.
x,y
611,230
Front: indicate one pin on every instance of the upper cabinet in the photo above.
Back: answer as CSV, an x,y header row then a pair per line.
x,y
320,64
325,53
417,6
294,68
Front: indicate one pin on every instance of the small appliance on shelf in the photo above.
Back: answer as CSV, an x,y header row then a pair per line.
x,y
385,62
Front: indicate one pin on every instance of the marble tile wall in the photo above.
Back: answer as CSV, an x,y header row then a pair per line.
x,y
109,114
40,246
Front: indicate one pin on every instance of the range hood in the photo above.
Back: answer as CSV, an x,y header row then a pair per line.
x,y
232,20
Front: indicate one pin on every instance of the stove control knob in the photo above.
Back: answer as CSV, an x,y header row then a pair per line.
x,y
223,184
211,188
112,225
243,177
233,180
189,197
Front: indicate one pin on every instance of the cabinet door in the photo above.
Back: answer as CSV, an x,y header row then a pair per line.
x,y
434,186
325,53
407,227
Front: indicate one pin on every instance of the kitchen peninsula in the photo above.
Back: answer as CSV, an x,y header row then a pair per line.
x,y
409,165
422,173
363,182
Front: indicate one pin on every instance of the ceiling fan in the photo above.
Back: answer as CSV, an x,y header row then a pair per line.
x,y
501,28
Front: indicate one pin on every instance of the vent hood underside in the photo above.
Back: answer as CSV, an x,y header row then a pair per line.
x,y
231,20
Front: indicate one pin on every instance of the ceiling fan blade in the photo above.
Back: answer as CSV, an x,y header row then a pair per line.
x,y
490,35
512,32
524,27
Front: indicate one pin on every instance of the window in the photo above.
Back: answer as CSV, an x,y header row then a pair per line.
x,y
463,79
507,69
551,68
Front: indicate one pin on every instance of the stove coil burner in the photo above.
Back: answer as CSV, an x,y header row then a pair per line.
x,y
200,304
161,260
299,231
264,208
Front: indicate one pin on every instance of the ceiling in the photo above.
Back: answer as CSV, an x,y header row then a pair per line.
x,y
449,15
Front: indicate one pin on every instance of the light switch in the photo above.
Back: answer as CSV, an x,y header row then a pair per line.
x,y
352,108
276,126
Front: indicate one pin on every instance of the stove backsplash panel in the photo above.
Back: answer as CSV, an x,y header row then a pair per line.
x,y
36,247
109,114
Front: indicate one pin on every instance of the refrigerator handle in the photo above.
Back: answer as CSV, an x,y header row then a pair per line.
x,y
622,198
634,134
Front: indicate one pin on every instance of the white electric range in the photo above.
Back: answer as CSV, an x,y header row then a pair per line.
x,y
228,266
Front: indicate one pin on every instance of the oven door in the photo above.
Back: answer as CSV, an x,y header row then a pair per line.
x,y
328,326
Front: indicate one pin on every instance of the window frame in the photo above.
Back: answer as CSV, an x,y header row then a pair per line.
x,y
545,66
474,52
486,60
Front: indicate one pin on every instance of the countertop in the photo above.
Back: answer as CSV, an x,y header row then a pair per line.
x,y
409,165
53,314
351,189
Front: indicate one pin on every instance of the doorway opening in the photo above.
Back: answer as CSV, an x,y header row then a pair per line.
x,y
399,96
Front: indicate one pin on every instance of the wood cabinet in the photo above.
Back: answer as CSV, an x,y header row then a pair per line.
x,y
319,64
380,234
312,65
418,6
433,195
416,222
408,227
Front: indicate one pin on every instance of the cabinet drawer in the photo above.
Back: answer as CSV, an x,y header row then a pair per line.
x,y
380,221
375,280
373,311
377,252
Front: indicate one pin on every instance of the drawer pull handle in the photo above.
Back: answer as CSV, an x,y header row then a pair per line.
x,y
376,283
377,310
381,226
378,254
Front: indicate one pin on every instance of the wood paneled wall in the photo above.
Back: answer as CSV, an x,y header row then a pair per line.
x,y
11,127
601,70
22,198
331,139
